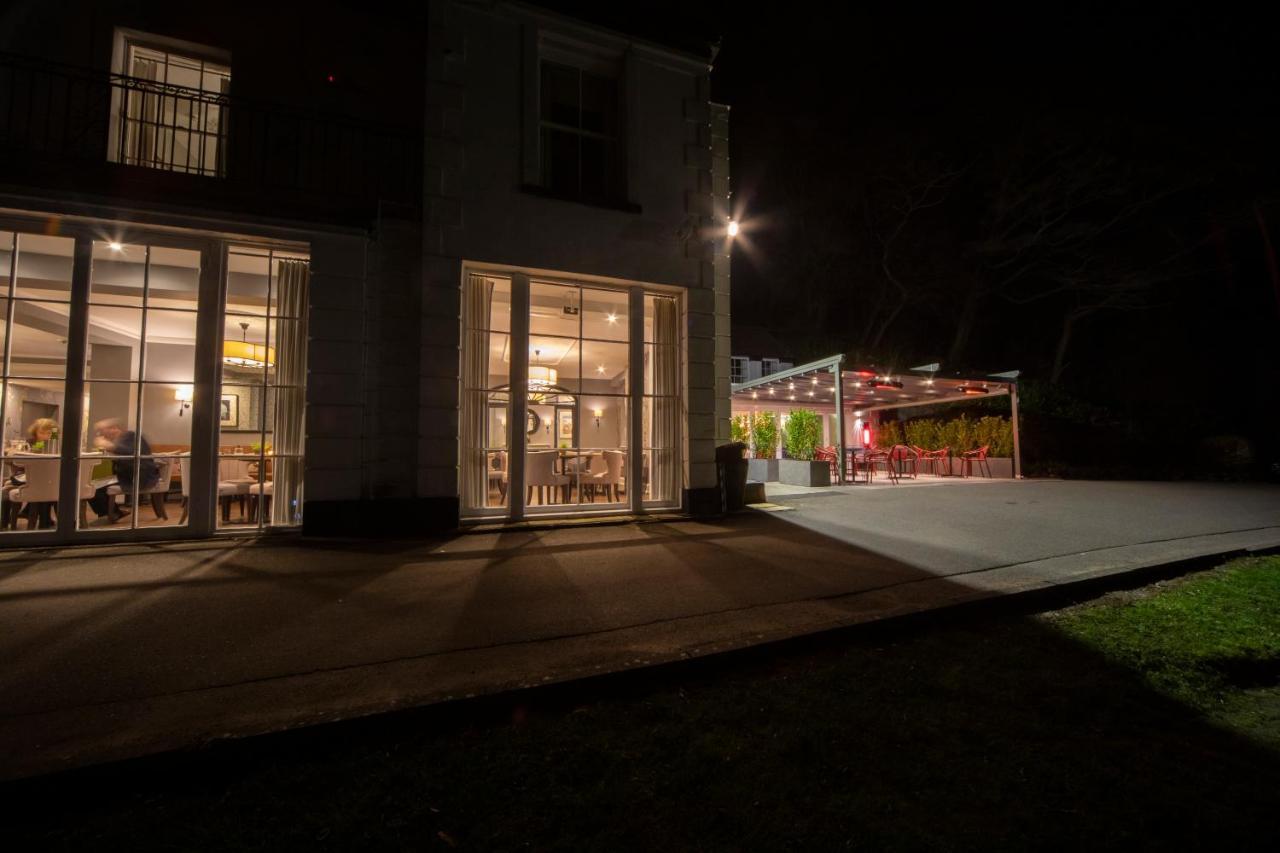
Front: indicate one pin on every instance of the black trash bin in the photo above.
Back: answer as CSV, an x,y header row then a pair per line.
x,y
731,469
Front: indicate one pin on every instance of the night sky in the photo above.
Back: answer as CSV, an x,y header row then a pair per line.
x,y
1082,195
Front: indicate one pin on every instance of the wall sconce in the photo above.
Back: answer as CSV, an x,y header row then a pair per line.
x,y
184,394
597,413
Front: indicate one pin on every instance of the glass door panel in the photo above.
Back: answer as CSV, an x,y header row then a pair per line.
x,y
35,283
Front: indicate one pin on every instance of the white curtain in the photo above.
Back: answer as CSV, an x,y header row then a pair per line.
x,y
665,436
291,378
477,298
143,111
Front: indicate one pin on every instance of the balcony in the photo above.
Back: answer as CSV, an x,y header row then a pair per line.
x,y
115,139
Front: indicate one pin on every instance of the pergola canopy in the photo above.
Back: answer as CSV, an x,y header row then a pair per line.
x,y
866,388
834,386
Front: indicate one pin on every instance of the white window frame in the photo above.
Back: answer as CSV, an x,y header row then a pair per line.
x,y
124,39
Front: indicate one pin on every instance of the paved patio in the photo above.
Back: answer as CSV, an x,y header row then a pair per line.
x,y
114,652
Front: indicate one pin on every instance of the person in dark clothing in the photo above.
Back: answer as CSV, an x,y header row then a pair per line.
x,y
111,437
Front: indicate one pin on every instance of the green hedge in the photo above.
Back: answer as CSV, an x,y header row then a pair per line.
x,y
740,429
960,434
764,434
803,433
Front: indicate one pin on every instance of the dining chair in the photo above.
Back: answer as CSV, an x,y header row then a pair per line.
x,y
498,474
260,500
611,477
540,472
158,491
39,493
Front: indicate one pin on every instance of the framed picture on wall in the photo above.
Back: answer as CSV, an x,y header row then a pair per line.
x,y
229,412
564,426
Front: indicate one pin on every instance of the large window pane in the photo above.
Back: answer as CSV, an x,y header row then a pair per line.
x,y
32,441
114,335
111,410
173,278
119,273
38,339
166,418
44,267
555,364
604,315
171,346
248,282
605,367
554,309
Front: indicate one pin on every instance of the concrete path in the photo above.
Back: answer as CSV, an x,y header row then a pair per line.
x,y
115,652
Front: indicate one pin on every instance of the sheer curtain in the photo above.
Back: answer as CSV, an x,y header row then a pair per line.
x,y
291,378
665,436
476,302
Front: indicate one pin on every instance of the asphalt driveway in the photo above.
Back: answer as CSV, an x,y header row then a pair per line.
x,y
113,652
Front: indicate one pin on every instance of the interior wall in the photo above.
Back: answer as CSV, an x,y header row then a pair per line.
x,y
15,393
109,400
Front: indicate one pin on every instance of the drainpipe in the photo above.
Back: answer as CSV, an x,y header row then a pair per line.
x,y
1017,444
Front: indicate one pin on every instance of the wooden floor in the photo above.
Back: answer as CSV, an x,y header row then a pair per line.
x,y
147,518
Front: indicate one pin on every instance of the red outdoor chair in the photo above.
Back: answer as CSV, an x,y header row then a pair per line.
x,y
858,459
902,460
936,460
828,454
979,457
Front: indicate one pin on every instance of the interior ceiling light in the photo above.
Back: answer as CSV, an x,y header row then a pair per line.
x,y
972,389
612,318
241,353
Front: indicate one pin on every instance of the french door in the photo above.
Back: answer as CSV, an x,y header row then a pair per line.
x,y
570,396
115,400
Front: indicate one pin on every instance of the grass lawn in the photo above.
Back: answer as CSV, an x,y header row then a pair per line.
x,y
1143,719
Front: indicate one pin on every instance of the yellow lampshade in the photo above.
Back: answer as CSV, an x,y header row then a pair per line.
x,y
540,376
245,354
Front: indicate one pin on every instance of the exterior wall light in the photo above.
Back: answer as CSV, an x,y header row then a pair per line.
x,y
733,228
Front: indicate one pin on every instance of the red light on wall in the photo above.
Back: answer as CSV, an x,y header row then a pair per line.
x,y
330,78
866,435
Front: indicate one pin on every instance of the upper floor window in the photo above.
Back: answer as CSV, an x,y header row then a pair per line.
x,y
737,369
579,133
169,105
769,365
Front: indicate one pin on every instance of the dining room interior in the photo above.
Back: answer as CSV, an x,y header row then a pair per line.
x,y
597,383
141,311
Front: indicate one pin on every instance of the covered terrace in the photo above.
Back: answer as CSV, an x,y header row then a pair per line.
x,y
853,399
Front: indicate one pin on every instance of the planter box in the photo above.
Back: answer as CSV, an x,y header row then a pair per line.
x,y
795,472
763,470
1001,467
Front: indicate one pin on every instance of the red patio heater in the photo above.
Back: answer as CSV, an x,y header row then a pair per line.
x,y
866,434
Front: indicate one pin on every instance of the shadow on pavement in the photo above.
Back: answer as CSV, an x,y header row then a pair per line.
x,y
975,729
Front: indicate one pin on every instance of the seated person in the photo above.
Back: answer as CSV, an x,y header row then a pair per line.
x,y
41,433
111,437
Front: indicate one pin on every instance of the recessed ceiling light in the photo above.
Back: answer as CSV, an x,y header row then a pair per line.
x,y
600,369
612,318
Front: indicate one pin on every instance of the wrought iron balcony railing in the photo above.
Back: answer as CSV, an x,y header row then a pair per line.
x,y
68,127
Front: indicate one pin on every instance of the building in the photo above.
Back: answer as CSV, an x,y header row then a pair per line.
x,y
757,353
287,275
